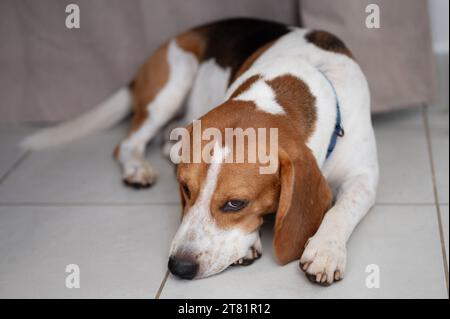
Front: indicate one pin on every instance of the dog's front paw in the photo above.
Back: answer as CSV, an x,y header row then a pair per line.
x,y
138,174
324,260
254,253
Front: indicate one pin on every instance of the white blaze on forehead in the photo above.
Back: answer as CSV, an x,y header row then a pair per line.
x,y
211,177
263,96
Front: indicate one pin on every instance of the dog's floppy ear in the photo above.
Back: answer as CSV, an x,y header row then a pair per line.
x,y
304,199
183,201
180,191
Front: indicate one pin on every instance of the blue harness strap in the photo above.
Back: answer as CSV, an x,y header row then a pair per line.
x,y
338,129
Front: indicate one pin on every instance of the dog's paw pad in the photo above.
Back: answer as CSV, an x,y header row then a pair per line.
x,y
138,175
323,261
254,253
249,259
136,185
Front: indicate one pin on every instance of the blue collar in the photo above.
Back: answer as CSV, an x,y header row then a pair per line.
x,y
338,129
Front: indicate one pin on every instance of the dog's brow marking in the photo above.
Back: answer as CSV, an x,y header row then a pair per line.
x,y
263,96
211,177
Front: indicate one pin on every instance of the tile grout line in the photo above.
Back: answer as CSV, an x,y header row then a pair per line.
x,y
435,192
14,166
163,283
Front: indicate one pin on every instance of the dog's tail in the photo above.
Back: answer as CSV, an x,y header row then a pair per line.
x,y
103,116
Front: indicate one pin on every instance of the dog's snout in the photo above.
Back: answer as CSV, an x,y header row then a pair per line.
x,y
185,268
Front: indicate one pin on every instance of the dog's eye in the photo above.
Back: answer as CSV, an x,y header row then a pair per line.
x,y
234,205
186,191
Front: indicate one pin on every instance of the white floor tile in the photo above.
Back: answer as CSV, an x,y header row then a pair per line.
x,y
438,114
439,130
405,174
443,81
402,240
10,151
85,171
445,226
121,251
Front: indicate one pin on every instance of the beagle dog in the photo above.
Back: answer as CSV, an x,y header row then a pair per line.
x,y
249,73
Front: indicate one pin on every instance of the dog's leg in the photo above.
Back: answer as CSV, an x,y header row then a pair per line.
x,y
324,257
158,91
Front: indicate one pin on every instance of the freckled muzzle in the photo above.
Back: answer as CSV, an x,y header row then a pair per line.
x,y
209,255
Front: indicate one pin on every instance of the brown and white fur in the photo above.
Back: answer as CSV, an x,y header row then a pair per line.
x,y
252,73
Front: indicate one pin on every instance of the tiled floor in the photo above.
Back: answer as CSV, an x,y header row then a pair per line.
x,y
67,206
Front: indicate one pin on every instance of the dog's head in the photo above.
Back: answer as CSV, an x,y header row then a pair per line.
x,y
224,204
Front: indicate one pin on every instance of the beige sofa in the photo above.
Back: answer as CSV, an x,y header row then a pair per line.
x,y
51,73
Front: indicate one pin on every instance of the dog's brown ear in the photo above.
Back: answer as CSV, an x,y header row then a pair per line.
x,y
180,190
304,199
183,200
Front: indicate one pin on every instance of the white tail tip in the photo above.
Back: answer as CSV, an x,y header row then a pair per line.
x,y
102,117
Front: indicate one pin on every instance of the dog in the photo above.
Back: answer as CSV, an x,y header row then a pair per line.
x,y
250,73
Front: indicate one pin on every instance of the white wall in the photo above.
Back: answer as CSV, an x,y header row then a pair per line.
x,y
439,24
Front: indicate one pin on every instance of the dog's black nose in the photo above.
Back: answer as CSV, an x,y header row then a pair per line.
x,y
183,267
